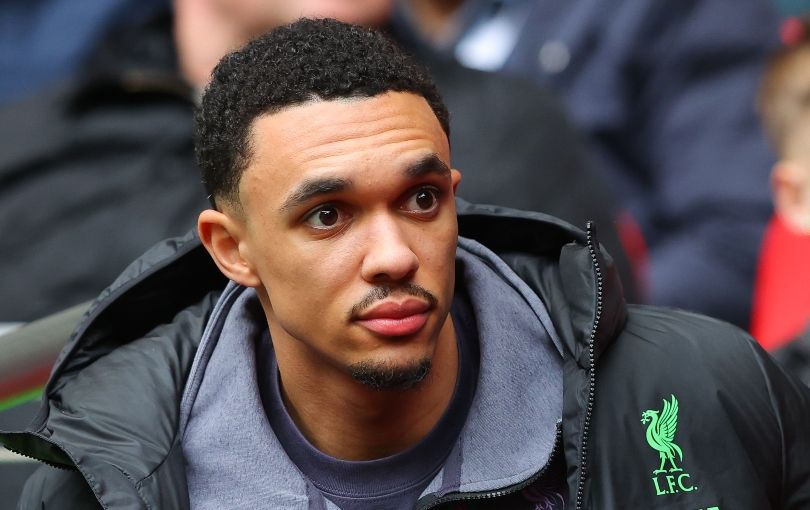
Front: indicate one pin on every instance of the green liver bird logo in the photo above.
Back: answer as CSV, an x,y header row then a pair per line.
x,y
661,426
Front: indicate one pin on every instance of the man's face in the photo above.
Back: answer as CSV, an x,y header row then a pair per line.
x,y
349,225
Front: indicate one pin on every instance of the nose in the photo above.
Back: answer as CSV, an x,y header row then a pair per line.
x,y
389,256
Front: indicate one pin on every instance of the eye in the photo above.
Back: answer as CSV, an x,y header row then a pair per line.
x,y
424,200
324,217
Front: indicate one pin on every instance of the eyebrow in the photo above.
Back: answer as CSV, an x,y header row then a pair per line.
x,y
429,164
312,188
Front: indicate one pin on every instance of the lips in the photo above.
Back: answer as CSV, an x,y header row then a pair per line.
x,y
395,319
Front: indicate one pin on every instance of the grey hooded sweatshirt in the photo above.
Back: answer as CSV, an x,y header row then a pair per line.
x,y
235,460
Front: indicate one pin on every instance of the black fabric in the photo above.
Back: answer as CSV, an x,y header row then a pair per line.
x,y
742,424
61,489
735,405
795,357
92,173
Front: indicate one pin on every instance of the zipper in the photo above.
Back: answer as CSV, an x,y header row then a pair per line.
x,y
583,459
62,467
472,496
51,464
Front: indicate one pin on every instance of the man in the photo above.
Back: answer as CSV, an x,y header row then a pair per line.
x,y
370,350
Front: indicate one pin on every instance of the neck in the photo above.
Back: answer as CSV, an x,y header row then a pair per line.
x,y
348,420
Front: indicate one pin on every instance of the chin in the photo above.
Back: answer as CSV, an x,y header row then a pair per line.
x,y
389,375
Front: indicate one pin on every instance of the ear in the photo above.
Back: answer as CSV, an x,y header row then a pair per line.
x,y
789,180
224,237
455,178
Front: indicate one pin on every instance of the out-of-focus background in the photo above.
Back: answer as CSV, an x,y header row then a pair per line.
x,y
677,126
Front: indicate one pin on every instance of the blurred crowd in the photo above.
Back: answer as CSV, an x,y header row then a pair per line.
x,y
645,116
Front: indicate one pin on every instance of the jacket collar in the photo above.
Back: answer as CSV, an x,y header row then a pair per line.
x,y
566,267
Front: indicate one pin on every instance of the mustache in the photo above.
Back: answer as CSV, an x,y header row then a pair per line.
x,y
381,292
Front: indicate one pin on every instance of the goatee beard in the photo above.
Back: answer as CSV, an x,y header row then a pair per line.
x,y
386,376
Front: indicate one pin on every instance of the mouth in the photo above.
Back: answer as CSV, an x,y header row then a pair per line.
x,y
396,319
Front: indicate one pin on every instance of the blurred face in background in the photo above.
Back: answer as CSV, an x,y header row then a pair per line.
x,y
260,15
206,30
791,177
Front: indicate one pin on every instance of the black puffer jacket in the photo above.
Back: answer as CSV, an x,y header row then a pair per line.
x,y
739,430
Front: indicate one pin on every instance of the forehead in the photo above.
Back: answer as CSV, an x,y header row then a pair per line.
x,y
346,138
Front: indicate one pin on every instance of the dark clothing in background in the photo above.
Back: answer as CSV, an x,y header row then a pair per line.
x,y
665,92
92,173
44,41
795,357
95,171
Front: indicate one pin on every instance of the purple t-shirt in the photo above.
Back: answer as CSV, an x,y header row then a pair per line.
x,y
394,482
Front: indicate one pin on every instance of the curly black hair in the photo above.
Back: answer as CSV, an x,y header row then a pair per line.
x,y
307,60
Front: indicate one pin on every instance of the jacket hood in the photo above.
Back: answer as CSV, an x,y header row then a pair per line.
x,y
576,280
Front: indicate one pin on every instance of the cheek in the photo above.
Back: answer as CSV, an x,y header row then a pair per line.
x,y
446,238
312,273
437,253
449,256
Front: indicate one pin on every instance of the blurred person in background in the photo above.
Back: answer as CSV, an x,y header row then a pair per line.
x,y
664,92
781,315
118,137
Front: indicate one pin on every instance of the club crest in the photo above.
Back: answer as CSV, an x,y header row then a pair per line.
x,y
662,425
